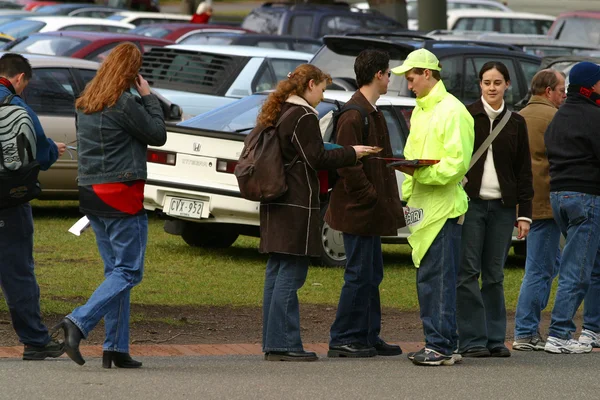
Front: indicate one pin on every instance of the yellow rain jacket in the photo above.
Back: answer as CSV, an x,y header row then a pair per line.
x,y
441,129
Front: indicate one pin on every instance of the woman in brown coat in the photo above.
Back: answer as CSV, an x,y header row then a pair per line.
x,y
289,225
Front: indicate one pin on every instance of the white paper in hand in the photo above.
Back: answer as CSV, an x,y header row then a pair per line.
x,y
80,226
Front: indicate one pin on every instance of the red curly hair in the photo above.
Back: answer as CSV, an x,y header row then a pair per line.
x,y
116,74
297,83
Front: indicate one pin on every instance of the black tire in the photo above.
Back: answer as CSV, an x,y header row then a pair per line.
x,y
208,235
332,245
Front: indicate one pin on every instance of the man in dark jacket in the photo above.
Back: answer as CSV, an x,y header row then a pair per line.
x,y
364,205
573,148
17,275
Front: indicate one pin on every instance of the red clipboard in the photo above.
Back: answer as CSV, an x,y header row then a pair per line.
x,y
401,162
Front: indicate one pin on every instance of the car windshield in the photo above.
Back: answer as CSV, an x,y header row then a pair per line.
x,y
150,31
49,45
20,28
239,116
116,17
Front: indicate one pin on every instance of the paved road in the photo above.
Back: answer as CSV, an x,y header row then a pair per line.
x,y
523,376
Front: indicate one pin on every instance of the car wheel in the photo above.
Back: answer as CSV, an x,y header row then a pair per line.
x,y
208,235
333,253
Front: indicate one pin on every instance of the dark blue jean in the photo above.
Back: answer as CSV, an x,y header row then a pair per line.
x,y
17,276
358,317
122,246
486,239
541,267
284,276
578,216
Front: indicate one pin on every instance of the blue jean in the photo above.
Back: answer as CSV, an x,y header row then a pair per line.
x,y
541,267
358,317
486,239
122,244
284,276
17,276
578,216
436,289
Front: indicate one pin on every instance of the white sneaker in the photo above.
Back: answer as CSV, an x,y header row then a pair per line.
x,y
589,337
569,346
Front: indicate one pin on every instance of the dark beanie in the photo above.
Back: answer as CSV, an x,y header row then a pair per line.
x,y
584,74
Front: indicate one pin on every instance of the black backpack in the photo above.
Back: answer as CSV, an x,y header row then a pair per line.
x,y
332,173
18,168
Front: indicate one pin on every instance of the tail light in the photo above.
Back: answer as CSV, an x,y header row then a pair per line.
x,y
161,157
226,166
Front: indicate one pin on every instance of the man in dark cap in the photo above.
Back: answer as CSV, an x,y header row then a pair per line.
x,y
573,148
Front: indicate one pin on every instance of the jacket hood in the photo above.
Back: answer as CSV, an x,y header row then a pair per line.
x,y
436,95
299,101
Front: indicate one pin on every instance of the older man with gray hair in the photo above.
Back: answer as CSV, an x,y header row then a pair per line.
x,y
543,252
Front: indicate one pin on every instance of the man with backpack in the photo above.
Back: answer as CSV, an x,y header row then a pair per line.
x,y
364,205
25,150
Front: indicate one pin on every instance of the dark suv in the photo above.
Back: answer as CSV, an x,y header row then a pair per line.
x,y
461,62
316,20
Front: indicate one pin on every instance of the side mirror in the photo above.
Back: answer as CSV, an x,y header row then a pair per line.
x,y
175,112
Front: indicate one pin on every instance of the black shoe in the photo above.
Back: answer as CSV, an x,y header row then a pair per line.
x,y
477,351
52,349
412,354
500,351
352,350
291,356
121,360
72,338
385,349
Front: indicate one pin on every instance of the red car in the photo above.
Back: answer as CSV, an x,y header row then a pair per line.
x,y
179,31
93,46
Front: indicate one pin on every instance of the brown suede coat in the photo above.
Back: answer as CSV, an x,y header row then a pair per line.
x,y
538,114
365,199
291,223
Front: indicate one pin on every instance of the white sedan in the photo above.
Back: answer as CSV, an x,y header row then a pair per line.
x,y
29,25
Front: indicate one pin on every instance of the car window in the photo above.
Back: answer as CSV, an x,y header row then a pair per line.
x,y
543,27
116,17
262,21
580,30
273,44
150,21
398,132
239,116
115,29
264,79
524,26
379,24
101,54
20,28
150,31
452,75
306,47
51,91
92,13
49,45
529,70
207,38
84,28
472,88
338,25
283,67
301,25
87,75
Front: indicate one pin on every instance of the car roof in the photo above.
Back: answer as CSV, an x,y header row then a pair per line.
x,y
55,21
584,14
243,51
150,14
497,14
111,36
43,61
345,96
517,39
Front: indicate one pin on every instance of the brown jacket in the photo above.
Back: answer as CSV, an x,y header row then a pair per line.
x,y
538,114
365,199
511,159
291,223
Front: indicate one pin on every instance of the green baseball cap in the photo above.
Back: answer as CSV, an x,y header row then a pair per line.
x,y
421,58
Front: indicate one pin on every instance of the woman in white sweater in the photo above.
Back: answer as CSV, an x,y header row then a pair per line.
x,y
500,190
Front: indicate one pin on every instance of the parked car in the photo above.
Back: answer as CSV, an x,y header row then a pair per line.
x,y
178,32
201,78
94,46
306,45
316,20
413,11
32,5
13,15
138,18
205,150
51,93
89,10
537,45
577,26
29,25
461,61
498,21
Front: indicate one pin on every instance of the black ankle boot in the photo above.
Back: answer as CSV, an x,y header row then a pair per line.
x,y
121,360
72,338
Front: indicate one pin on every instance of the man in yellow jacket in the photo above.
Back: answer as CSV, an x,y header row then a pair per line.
x,y
441,129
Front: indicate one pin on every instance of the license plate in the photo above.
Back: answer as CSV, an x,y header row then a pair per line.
x,y
184,208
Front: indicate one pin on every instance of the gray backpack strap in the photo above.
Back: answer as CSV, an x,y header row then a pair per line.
x,y
488,141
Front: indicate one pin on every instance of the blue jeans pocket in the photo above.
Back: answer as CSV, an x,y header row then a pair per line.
x,y
575,207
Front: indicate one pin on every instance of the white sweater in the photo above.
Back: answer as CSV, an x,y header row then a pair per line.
x,y
490,186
